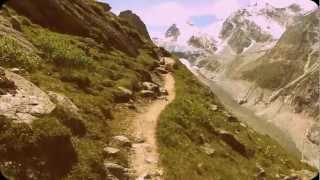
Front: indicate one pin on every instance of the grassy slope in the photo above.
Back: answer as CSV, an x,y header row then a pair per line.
x,y
188,122
89,75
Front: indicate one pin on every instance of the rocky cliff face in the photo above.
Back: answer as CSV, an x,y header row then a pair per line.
x,y
294,63
78,18
136,22
257,23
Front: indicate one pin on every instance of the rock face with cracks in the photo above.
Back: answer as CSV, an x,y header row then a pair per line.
x,y
28,102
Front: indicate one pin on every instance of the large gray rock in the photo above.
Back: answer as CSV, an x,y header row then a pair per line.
x,y
64,102
122,141
314,134
116,170
123,95
206,148
28,102
150,86
6,85
235,143
68,113
147,93
110,151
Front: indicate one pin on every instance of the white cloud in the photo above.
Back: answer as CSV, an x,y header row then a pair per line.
x,y
164,14
168,13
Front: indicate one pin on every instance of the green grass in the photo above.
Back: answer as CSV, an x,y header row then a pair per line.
x,y
188,122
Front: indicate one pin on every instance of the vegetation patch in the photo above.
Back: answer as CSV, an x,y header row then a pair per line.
x,y
12,54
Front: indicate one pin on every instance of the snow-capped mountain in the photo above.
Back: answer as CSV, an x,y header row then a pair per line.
x,y
186,38
257,23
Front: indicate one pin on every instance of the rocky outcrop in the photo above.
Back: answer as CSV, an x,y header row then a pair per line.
x,y
291,68
241,32
27,103
205,43
123,95
122,141
6,86
259,23
117,170
314,134
68,113
135,21
78,18
234,143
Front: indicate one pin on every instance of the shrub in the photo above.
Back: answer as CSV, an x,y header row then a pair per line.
x,y
13,54
81,80
62,50
43,151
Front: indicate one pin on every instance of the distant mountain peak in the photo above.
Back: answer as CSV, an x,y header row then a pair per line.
x,y
173,32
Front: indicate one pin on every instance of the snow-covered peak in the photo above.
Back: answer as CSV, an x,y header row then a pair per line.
x,y
186,37
257,23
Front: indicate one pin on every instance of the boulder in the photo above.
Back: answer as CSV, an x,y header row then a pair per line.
x,y
111,151
68,113
6,85
65,103
161,70
300,175
314,134
17,70
147,93
150,86
214,107
123,95
230,117
261,174
27,103
163,92
206,148
242,101
116,170
235,144
122,141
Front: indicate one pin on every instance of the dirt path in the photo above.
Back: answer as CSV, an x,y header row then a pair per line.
x,y
145,156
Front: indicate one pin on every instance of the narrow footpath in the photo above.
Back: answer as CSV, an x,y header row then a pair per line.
x,y
145,157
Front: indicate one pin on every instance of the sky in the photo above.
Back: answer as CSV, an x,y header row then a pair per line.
x,y
159,15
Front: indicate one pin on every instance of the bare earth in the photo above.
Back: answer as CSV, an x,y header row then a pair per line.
x,y
145,157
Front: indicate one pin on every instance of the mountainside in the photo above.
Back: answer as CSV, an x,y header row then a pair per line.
x,y
291,70
292,66
278,82
256,24
136,22
68,69
88,19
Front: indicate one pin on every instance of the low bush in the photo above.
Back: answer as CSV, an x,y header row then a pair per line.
x,y
13,54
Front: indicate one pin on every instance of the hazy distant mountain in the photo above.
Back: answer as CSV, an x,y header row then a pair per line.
x,y
257,23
